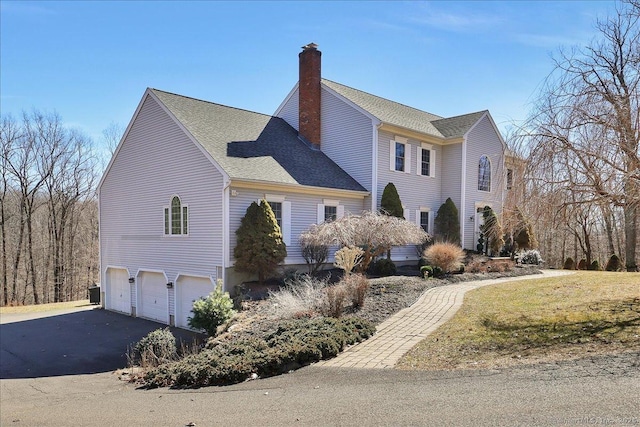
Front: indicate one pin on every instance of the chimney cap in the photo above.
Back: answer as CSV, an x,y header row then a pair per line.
x,y
310,46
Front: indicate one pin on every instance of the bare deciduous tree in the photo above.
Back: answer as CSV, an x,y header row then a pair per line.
x,y
585,133
48,200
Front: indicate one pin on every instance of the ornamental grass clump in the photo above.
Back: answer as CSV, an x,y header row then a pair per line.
x,y
301,295
213,311
356,286
446,256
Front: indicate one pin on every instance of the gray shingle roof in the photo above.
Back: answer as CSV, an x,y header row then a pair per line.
x,y
404,116
457,126
254,146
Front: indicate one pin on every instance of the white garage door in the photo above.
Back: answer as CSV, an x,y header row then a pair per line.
x,y
153,297
188,290
118,290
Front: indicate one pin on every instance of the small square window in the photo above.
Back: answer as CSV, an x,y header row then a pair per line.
x,y
330,213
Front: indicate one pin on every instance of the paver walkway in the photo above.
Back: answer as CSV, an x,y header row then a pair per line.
x,y
400,332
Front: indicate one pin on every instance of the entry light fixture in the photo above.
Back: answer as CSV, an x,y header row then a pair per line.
x,y
471,218
132,280
169,285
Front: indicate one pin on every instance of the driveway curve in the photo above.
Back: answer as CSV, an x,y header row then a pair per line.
x,y
76,341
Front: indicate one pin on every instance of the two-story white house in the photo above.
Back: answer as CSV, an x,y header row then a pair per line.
x,y
186,170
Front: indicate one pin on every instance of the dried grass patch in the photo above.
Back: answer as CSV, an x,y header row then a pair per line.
x,y
536,320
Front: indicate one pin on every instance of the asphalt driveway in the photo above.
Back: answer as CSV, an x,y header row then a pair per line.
x,y
81,341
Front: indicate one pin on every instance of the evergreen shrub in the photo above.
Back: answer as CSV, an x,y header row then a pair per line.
x,y
614,263
569,264
212,311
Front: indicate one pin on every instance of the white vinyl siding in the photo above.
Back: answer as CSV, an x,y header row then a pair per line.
x,y
347,137
302,213
155,162
451,173
289,111
482,140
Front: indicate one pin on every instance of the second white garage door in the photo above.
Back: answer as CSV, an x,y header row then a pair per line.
x,y
153,302
118,290
188,290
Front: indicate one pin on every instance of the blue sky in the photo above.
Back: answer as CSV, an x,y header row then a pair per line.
x,y
91,61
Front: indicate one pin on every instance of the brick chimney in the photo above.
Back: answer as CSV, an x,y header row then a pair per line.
x,y
309,94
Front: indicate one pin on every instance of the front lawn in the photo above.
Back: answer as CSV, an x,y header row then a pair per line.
x,y
536,320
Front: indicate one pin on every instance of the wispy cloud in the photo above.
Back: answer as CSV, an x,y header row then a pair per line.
x,y
25,8
461,20
546,40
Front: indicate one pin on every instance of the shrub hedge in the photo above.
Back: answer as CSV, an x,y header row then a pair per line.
x,y
292,344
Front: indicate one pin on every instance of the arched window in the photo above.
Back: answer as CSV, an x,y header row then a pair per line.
x,y
484,174
176,218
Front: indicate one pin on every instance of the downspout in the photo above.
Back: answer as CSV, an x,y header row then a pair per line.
x,y
374,166
226,261
463,195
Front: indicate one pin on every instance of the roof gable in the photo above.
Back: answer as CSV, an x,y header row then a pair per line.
x,y
401,115
254,146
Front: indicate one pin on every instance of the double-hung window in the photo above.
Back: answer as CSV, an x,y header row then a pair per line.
x,y
176,218
426,162
399,155
509,179
282,211
424,219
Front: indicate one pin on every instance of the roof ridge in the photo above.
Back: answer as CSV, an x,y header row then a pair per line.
x,y
462,115
212,103
386,99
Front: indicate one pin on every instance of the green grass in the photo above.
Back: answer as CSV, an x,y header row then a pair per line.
x,y
536,320
44,307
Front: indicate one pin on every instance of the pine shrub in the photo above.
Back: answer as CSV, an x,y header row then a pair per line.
x,y
569,264
447,223
390,203
259,248
582,265
426,271
156,347
614,263
446,256
383,267
595,265
213,311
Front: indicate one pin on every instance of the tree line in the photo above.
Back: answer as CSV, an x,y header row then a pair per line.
x,y
48,210
581,145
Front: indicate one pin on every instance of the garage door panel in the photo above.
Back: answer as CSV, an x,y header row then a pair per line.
x,y
118,290
153,297
188,290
